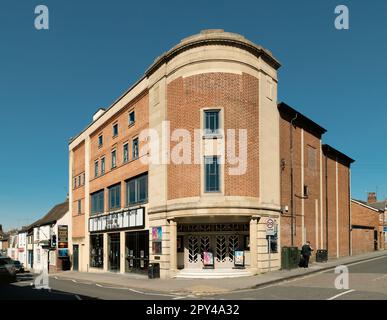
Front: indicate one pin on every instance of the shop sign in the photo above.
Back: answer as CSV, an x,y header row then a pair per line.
x,y
125,219
63,236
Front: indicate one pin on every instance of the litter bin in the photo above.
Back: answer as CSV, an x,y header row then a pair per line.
x,y
321,255
154,270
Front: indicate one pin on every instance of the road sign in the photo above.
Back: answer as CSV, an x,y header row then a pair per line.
x,y
270,227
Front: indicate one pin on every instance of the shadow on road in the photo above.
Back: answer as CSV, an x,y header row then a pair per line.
x,y
23,290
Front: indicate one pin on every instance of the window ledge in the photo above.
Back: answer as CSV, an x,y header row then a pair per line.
x,y
212,136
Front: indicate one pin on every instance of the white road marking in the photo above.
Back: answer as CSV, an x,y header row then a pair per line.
x,y
380,278
78,297
340,294
98,285
75,281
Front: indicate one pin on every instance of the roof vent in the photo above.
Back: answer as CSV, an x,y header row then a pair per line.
x,y
99,113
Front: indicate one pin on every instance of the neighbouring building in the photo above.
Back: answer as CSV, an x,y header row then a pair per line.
x,y
139,197
373,202
22,247
315,186
50,239
364,227
12,250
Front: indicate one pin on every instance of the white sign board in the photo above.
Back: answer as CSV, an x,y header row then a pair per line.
x,y
270,227
121,220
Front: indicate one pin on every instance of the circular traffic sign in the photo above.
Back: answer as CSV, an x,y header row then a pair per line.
x,y
270,223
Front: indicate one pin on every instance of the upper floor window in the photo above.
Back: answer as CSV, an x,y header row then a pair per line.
x,y
115,129
211,122
135,148
97,202
102,165
79,181
75,183
137,190
96,168
100,140
126,152
212,174
115,197
114,158
79,206
132,118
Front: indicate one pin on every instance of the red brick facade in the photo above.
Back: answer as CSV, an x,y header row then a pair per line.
x,y
237,96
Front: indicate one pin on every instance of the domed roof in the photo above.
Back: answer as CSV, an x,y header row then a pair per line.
x,y
215,37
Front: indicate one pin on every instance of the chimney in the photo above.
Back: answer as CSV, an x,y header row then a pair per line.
x,y
99,113
371,197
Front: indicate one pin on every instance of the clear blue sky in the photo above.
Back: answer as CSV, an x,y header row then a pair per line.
x,y
51,82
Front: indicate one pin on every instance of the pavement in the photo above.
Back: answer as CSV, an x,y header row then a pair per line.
x,y
198,287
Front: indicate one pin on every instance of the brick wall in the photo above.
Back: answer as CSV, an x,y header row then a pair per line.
x,y
364,222
238,96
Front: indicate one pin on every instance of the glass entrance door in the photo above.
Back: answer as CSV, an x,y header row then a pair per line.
x,y
137,251
114,252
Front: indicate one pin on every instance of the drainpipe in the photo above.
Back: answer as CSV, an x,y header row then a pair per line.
x,y
291,181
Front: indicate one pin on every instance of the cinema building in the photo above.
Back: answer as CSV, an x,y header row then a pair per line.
x,y
207,212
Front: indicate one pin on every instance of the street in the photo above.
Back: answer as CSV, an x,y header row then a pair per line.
x,y
367,280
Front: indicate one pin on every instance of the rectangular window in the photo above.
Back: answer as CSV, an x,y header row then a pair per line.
x,y
79,181
114,158
115,130
100,141
211,122
75,183
115,197
126,152
79,206
135,148
212,174
102,165
137,190
132,118
96,169
97,202
96,251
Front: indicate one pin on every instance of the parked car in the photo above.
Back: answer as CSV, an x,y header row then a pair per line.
x,y
7,270
18,266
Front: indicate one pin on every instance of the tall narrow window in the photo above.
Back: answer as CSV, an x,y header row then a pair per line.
x,y
79,206
100,140
102,165
97,202
137,190
132,118
211,121
96,168
126,152
114,158
115,197
135,148
115,129
212,174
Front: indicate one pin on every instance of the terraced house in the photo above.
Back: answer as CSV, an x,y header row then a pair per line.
x,y
138,198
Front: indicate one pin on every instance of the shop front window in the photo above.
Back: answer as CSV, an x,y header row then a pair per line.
x,y
96,251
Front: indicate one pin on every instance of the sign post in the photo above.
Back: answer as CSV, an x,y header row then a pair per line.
x,y
270,231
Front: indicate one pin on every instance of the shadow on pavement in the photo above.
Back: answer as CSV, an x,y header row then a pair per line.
x,y
23,290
